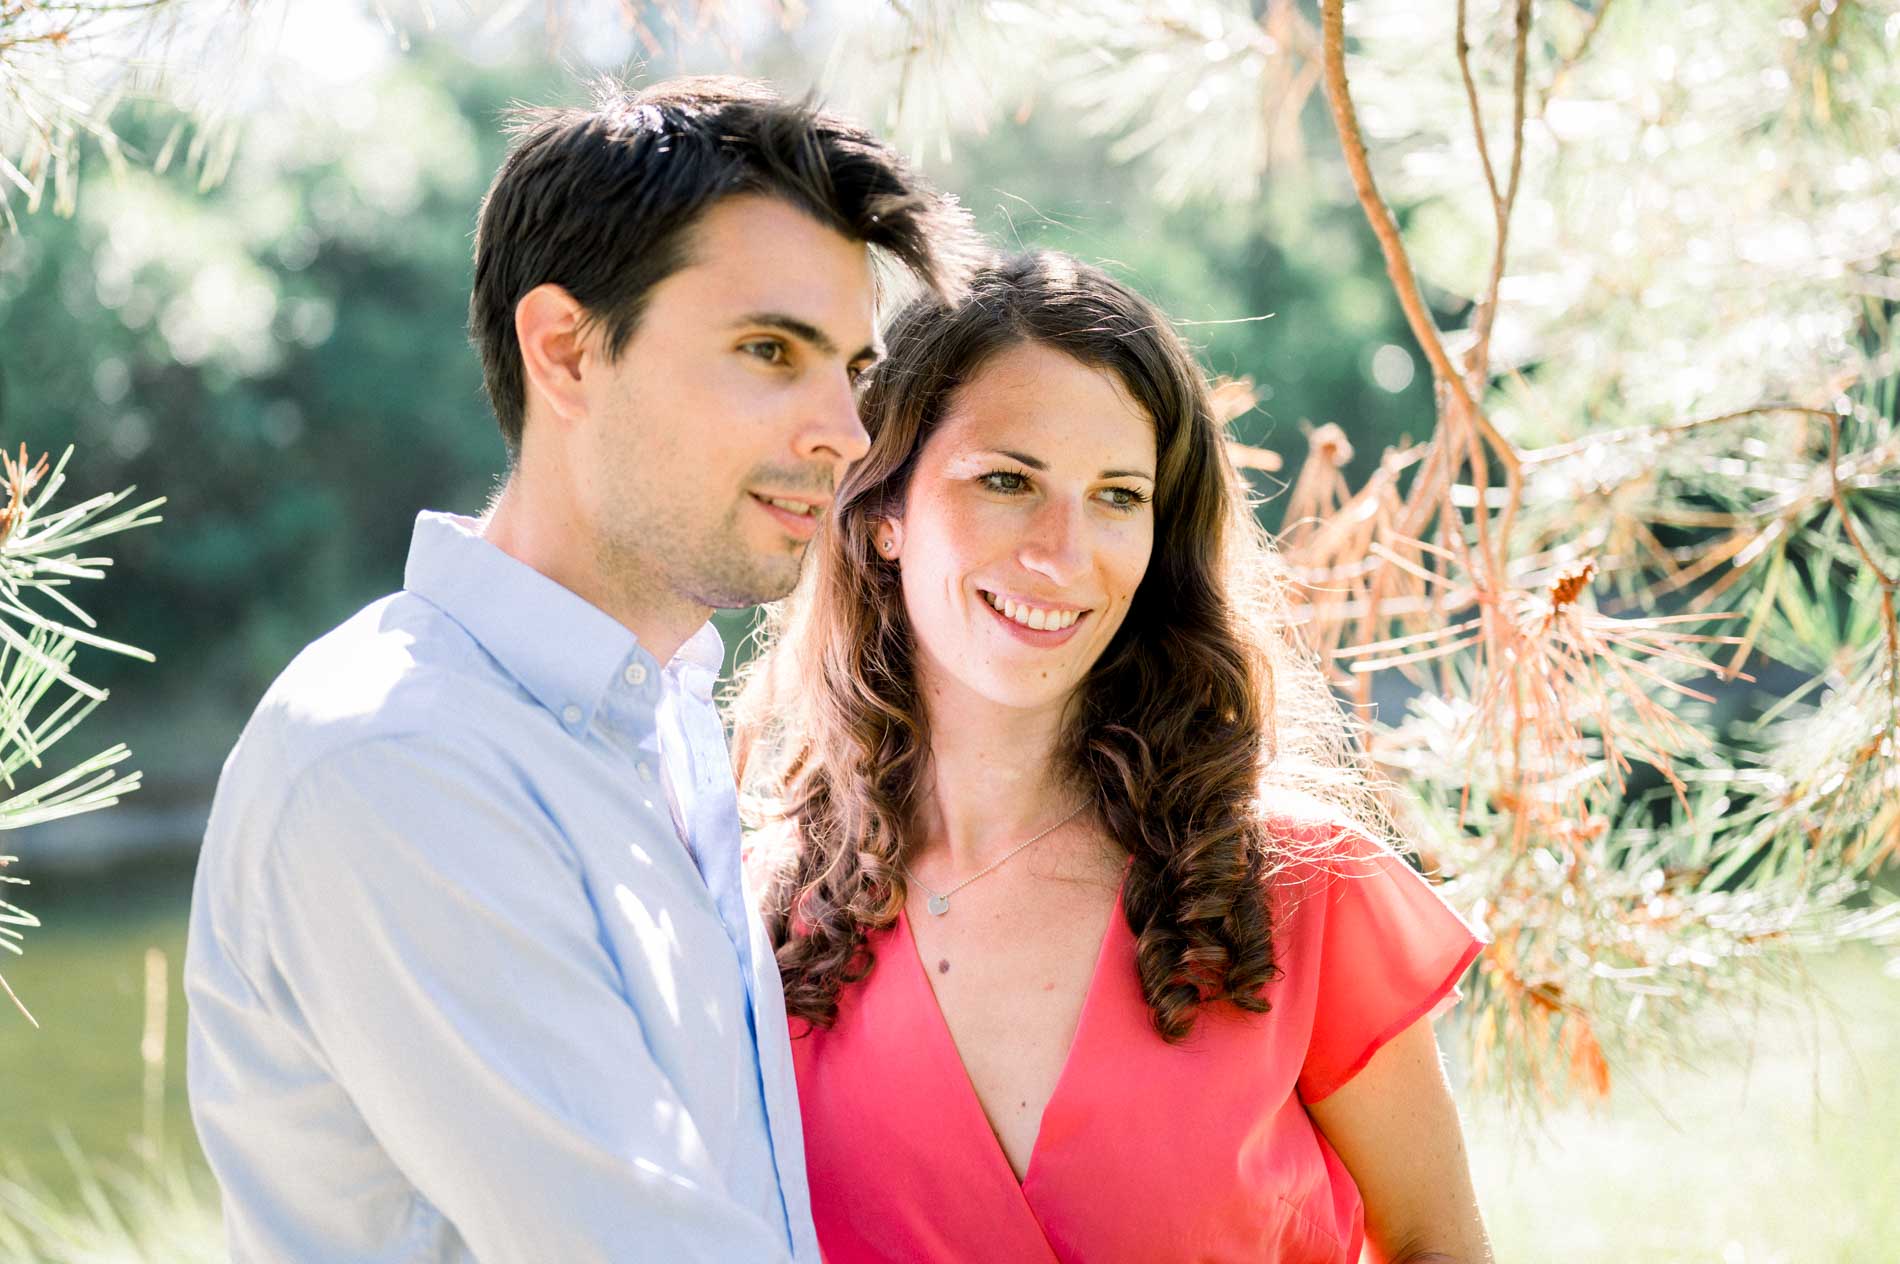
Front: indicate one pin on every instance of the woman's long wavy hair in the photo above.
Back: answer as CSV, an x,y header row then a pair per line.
x,y
1200,704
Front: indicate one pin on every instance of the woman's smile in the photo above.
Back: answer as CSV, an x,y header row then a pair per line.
x,y
1040,624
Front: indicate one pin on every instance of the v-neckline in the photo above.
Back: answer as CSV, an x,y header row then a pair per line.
x,y
949,1053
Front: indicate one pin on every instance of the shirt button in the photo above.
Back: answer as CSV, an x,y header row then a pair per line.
x,y
571,714
636,674
644,769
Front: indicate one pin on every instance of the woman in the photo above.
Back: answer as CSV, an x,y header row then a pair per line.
x,y
1083,963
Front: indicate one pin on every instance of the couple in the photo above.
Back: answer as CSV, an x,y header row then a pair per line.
x,y
1048,946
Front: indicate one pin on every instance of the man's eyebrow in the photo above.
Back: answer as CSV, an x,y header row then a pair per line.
x,y
1035,464
805,330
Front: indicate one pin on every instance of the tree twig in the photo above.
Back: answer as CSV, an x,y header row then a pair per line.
x,y
1848,529
1576,55
1398,264
1471,98
1564,451
1479,364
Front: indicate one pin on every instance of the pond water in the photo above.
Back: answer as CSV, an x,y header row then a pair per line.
x,y
83,975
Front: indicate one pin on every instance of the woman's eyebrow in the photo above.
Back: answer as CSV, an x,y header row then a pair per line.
x,y
1035,464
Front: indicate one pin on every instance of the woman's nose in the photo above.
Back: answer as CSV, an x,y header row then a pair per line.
x,y
1057,546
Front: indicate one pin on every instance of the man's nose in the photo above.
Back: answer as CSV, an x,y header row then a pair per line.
x,y
833,431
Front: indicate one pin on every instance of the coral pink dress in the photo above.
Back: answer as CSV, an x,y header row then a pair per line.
x,y
1147,1151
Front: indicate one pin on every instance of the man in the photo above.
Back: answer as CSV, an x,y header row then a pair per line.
x,y
472,969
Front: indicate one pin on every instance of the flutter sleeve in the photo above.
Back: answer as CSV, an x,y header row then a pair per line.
x,y
1387,950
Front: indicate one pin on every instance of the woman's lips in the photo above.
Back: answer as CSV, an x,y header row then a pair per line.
x,y
1042,638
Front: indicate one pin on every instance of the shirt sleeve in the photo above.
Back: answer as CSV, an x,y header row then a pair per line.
x,y
441,947
1388,951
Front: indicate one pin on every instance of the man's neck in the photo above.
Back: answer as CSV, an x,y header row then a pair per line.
x,y
994,779
547,533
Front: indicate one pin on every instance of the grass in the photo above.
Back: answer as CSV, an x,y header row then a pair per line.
x,y
151,1213
1777,1142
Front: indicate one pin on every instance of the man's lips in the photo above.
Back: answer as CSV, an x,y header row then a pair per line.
x,y
798,515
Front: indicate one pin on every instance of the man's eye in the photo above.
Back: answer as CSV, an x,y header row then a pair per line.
x,y
770,350
1004,481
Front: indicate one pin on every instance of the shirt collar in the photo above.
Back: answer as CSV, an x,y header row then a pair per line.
x,y
563,649
700,659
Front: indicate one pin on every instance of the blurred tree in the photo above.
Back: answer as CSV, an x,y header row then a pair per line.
x,y
283,353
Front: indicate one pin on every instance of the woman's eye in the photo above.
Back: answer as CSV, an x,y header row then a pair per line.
x,y
1125,497
770,350
1004,481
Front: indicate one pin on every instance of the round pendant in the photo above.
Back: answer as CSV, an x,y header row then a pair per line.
x,y
939,905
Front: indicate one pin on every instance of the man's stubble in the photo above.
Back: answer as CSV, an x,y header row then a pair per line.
x,y
665,540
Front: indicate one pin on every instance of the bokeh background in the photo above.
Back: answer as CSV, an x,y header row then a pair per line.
x,y
282,355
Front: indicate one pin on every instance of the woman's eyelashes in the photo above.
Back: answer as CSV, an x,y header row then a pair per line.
x,y
1016,483
1008,482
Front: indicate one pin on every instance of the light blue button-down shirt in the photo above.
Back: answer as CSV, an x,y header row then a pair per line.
x,y
473,973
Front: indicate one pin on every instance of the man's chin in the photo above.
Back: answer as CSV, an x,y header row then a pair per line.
x,y
766,579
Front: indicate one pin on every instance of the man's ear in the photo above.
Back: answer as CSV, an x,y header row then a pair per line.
x,y
548,325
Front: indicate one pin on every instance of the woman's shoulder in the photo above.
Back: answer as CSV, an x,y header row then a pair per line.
x,y
1308,837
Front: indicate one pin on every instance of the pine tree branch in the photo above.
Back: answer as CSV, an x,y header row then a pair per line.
x,y
1457,407
1564,451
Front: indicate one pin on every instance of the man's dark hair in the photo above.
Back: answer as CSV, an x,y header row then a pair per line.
x,y
601,202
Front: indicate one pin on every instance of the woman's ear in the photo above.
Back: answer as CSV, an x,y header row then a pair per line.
x,y
888,535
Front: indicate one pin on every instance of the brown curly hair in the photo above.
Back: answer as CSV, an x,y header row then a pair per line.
x,y
1175,732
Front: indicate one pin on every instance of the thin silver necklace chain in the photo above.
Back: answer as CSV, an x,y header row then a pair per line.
x,y
939,902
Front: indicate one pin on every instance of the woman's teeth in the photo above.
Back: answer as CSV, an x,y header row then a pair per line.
x,y
1033,617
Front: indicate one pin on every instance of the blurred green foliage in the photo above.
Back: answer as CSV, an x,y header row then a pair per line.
x,y
284,356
